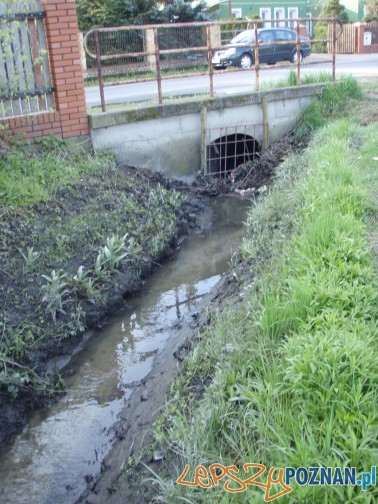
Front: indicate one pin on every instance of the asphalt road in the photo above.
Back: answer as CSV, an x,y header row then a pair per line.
x,y
358,65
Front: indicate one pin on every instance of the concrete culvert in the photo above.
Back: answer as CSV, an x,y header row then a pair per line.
x,y
228,152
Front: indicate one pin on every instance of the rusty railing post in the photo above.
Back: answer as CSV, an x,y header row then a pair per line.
x,y
209,57
99,71
333,50
257,67
157,63
298,54
203,140
265,139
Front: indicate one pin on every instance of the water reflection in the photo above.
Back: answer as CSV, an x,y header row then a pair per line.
x,y
48,461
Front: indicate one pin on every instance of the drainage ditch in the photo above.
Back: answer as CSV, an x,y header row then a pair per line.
x,y
118,382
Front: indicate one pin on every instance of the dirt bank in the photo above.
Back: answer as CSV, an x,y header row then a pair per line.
x,y
51,288
68,262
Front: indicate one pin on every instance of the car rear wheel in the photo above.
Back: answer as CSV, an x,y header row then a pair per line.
x,y
245,61
294,56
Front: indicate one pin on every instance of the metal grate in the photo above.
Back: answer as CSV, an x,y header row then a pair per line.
x,y
227,148
26,103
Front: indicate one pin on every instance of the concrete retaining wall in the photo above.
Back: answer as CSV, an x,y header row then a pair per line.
x,y
167,138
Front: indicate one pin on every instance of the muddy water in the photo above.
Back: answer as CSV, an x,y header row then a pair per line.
x,y
49,461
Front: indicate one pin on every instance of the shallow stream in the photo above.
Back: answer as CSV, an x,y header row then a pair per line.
x,y
61,446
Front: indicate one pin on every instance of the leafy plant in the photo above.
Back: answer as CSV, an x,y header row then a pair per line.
x,y
83,284
51,143
115,250
55,292
80,280
31,257
100,272
76,324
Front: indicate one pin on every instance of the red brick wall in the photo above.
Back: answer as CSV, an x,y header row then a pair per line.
x,y
70,116
361,48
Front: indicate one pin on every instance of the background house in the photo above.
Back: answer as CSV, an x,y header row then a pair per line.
x,y
281,9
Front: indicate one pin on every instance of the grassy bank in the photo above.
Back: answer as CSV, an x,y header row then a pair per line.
x,y
294,369
77,233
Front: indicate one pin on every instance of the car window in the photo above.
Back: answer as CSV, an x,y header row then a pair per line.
x,y
265,36
244,37
282,35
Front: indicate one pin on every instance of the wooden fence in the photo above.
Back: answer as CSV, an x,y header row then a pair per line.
x,y
25,83
346,44
349,42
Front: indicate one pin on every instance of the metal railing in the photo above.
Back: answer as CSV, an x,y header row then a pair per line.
x,y
156,48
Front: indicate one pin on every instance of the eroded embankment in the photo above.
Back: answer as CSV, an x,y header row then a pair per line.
x,y
90,243
73,245
123,371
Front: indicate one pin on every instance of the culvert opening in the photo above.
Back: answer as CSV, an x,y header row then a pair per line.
x,y
229,151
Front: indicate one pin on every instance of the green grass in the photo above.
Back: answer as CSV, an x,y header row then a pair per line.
x,y
29,175
333,102
335,98
291,80
295,369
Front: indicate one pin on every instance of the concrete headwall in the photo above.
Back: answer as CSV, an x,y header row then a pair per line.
x,y
167,138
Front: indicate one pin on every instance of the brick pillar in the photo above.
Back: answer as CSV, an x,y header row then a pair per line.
x,y
65,64
215,36
149,46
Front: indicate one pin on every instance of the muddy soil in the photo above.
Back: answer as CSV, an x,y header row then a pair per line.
x,y
67,232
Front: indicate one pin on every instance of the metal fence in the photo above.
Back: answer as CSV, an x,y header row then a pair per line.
x,y
152,51
25,84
